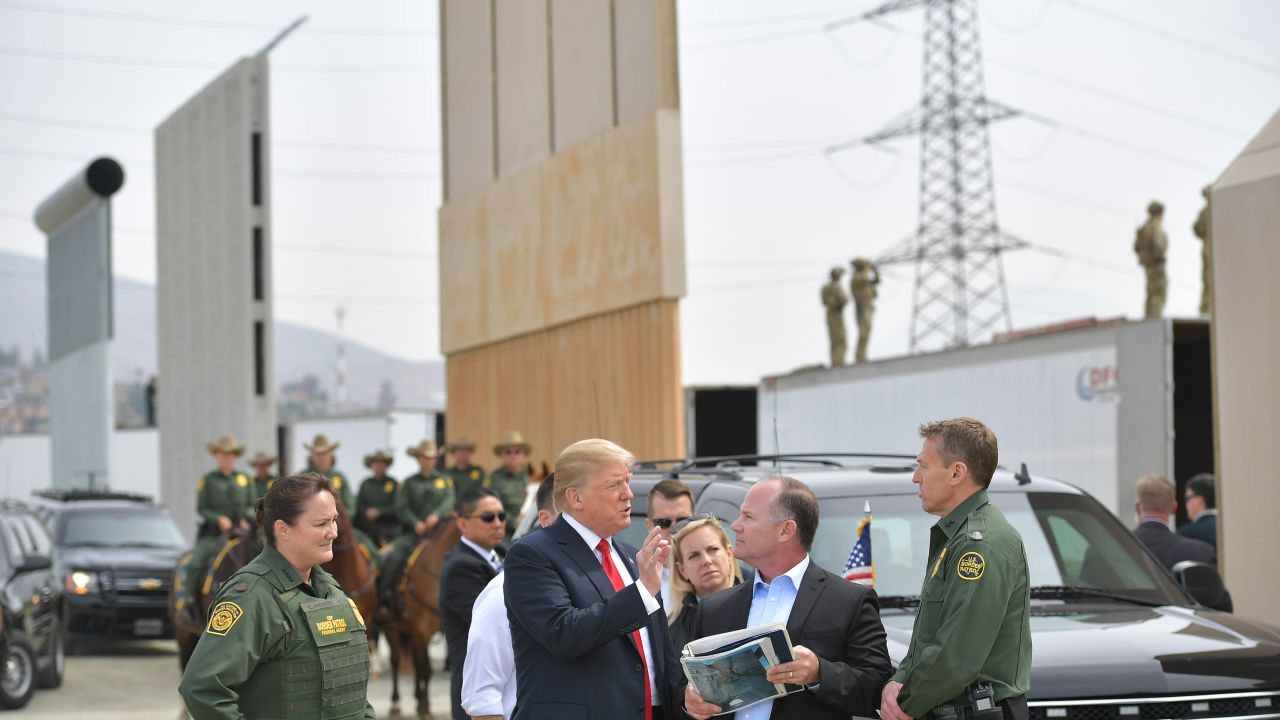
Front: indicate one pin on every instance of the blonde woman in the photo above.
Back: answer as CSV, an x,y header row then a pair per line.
x,y
703,559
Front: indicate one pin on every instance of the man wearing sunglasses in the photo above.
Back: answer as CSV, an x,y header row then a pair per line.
x,y
468,567
670,502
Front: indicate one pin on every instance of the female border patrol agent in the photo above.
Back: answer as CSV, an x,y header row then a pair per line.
x,y
283,640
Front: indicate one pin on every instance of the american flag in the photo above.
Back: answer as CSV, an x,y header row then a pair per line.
x,y
859,567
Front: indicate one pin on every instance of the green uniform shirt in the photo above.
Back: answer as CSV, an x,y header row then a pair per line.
x,y
275,648
342,486
464,480
378,494
260,488
511,488
421,496
220,494
973,624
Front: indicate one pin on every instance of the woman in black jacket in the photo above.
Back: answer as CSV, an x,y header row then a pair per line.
x,y
702,558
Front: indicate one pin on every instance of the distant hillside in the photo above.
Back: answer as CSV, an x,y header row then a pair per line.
x,y
299,351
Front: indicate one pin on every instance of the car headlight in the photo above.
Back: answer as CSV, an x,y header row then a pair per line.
x,y
80,582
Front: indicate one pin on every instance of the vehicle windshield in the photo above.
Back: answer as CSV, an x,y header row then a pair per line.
x,y
121,528
1070,540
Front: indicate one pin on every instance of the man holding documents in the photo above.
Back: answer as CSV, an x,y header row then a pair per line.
x,y
841,662
970,652
589,634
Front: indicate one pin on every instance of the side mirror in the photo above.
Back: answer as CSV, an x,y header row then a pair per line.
x,y
35,562
1203,583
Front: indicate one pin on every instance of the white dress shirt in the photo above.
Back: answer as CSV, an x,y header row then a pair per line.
x,y
650,602
489,672
490,556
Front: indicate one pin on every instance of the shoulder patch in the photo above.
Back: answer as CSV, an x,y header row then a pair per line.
x,y
440,484
223,618
389,486
475,474
241,480
970,566
356,610
200,485
337,481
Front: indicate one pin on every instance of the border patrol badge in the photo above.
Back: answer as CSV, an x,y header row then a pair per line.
x,y
970,566
223,618
356,610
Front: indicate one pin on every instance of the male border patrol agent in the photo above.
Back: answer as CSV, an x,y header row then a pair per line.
x,y
262,477
376,501
221,503
423,500
466,476
321,461
970,652
510,481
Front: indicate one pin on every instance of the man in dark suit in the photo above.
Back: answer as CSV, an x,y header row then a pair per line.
x,y
1154,507
589,634
1201,503
839,642
468,567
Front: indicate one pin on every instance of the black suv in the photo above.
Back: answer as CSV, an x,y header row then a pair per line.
x,y
31,640
1115,636
114,556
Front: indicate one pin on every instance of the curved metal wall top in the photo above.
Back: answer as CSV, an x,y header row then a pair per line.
x,y
101,178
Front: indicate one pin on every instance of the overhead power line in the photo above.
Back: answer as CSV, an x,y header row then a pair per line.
x,y
170,64
206,23
1207,48
281,142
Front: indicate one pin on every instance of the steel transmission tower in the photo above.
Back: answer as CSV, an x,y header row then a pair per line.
x,y
960,293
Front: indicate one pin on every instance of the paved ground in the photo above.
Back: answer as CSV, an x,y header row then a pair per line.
x,y
138,681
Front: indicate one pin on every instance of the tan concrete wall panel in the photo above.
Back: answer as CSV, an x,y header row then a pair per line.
x,y
595,228
523,84
645,46
615,375
464,271
1246,341
467,85
517,255
581,69
575,215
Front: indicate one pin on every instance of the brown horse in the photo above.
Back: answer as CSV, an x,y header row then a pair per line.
x,y
418,620
354,570
236,548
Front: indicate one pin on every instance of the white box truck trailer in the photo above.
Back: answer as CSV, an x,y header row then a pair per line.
x,y
1098,406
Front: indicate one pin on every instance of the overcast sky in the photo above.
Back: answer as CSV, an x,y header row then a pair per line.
x,y
1137,100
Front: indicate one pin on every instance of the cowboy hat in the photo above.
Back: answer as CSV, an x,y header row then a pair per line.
x,y
227,443
261,458
461,443
512,438
321,443
426,448
378,456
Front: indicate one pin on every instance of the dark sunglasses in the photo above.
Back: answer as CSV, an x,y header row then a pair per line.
x,y
682,523
665,523
490,517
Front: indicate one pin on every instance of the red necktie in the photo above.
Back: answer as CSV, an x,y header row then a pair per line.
x,y
606,559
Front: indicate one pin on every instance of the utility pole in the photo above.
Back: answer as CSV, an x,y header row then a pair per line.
x,y
960,294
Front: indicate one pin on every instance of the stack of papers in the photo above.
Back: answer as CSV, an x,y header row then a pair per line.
x,y
729,669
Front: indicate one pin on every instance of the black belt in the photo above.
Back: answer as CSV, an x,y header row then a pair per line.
x,y
1013,708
